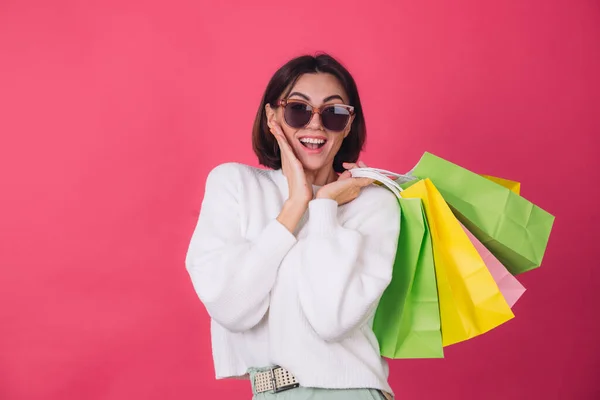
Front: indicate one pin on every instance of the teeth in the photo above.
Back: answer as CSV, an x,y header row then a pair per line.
x,y
311,140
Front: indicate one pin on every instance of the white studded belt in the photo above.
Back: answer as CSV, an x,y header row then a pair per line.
x,y
276,379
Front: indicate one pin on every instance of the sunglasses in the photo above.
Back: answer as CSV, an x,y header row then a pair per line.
x,y
334,117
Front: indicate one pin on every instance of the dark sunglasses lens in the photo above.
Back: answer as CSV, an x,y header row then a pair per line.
x,y
335,118
297,115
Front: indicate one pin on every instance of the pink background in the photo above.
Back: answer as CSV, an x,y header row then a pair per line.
x,y
113,112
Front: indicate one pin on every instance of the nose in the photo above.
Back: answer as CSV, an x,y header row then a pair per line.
x,y
315,122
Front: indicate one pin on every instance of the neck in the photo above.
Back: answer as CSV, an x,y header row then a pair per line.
x,y
321,177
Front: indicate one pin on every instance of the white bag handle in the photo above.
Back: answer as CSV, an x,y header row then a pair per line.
x,y
406,177
372,173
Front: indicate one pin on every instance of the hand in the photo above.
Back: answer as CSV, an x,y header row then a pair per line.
x,y
348,166
300,192
346,188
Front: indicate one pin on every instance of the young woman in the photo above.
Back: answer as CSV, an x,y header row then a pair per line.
x,y
291,261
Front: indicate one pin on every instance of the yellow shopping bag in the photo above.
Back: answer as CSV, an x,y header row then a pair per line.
x,y
511,185
470,301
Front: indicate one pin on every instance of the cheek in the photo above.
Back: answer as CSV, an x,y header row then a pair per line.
x,y
287,131
336,143
289,134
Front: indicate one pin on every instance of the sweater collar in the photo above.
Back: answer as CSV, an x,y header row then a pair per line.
x,y
282,180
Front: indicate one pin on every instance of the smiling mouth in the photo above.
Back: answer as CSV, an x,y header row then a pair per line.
x,y
312,143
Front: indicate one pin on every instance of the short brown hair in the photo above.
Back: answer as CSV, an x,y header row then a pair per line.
x,y
264,144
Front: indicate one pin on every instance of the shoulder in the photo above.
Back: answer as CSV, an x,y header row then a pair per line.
x,y
379,197
375,211
374,203
235,174
230,169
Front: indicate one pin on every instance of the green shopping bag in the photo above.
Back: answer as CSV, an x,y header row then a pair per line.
x,y
515,230
407,319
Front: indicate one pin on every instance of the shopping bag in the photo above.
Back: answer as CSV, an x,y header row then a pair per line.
x,y
515,230
407,319
513,186
470,301
509,286
406,181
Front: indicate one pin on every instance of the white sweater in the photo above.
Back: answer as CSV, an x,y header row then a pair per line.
x,y
304,301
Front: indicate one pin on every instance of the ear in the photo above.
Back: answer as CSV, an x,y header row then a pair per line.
x,y
270,114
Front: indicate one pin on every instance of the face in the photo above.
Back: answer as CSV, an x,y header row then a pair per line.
x,y
314,145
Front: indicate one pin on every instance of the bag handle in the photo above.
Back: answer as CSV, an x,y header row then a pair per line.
x,y
374,174
406,177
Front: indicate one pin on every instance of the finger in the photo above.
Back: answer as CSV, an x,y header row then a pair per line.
x,y
275,128
345,175
280,137
356,182
285,147
359,164
362,182
287,152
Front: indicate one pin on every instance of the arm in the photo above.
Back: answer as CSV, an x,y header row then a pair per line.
x,y
233,276
345,269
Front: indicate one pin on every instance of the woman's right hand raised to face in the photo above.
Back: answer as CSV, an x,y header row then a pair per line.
x,y
300,192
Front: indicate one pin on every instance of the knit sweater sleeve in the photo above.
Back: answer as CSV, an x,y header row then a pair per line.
x,y
233,276
345,269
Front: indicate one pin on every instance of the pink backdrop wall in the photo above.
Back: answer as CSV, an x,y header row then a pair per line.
x,y
112,113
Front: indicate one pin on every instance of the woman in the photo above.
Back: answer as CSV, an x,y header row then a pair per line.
x,y
291,261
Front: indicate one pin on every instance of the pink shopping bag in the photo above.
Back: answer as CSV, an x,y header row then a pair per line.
x,y
509,286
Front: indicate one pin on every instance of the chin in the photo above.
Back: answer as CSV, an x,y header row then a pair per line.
x,y
313,164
